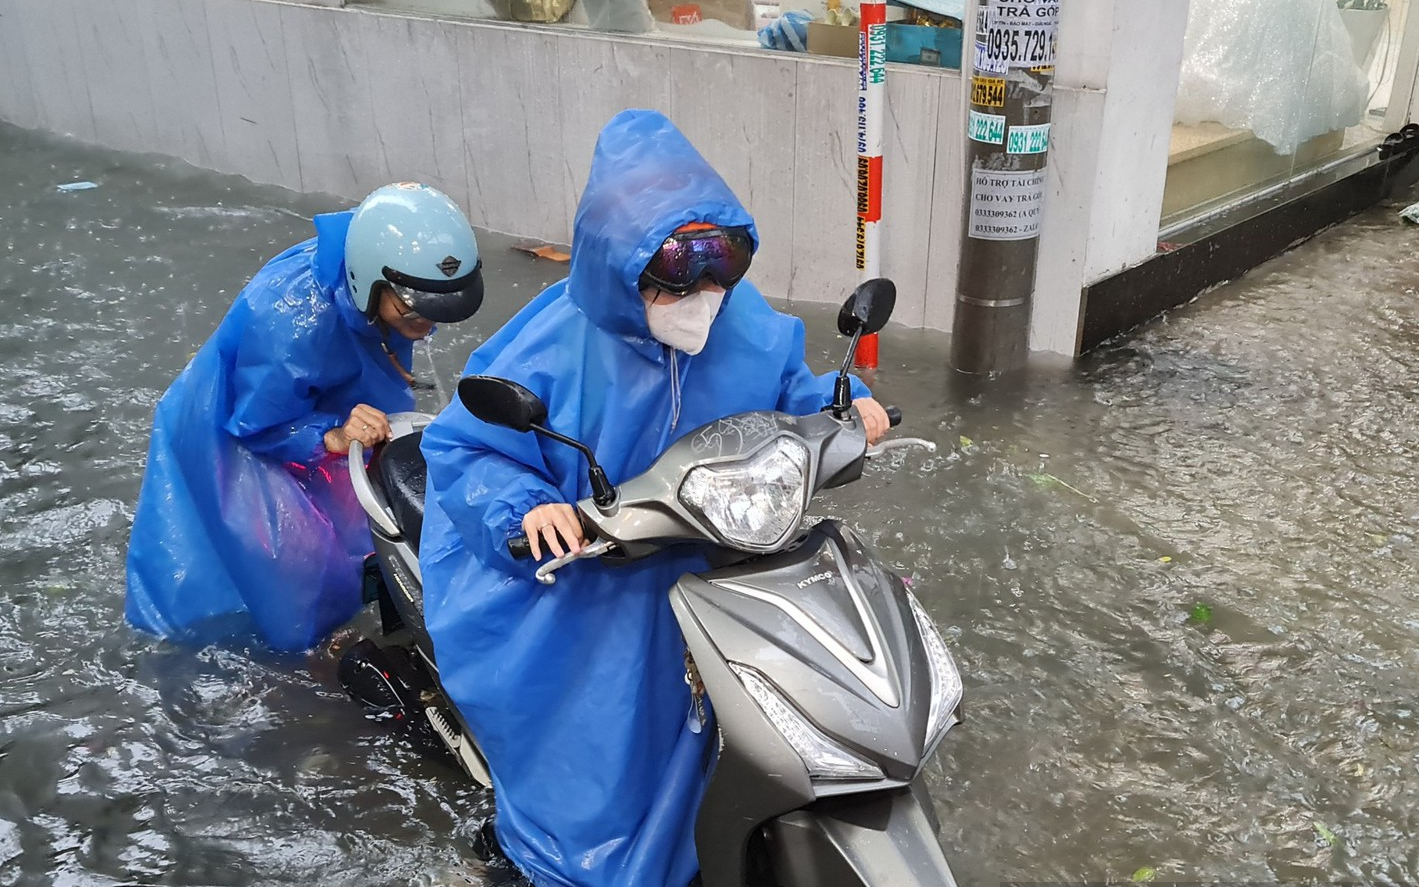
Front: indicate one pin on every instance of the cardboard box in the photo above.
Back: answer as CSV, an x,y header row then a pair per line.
x,y
826,39
924,45
686,14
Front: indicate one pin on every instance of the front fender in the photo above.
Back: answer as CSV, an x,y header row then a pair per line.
x,y
882,839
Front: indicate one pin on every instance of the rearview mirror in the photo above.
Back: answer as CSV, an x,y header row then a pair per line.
x,y
506,403
869,307
502,402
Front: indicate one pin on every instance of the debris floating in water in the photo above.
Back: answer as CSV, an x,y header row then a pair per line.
x,y
1326,835
77,186
1410,213
543,251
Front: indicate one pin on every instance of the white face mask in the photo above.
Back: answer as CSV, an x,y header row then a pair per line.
x,y
684,324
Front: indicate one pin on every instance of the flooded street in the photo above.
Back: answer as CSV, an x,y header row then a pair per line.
x,y
1180,577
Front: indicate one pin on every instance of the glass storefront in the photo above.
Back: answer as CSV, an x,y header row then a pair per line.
x,y
923,32
1273,90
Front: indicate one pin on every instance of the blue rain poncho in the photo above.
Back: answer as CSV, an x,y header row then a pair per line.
x,y
246,529
577,691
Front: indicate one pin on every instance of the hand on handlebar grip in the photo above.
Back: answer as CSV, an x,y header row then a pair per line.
x,y
874,418
556,526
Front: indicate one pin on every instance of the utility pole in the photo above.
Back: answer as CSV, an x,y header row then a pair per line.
x,y
1007,144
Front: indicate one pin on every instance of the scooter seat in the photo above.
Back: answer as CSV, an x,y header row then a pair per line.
x,y
403,474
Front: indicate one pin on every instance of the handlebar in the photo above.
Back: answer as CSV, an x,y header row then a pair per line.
x,y
894,418
364,491
520,548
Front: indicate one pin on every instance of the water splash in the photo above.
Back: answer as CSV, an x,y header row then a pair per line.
x,y
427,347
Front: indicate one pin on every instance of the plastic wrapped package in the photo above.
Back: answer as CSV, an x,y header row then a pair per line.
x,y
787,32
1283,69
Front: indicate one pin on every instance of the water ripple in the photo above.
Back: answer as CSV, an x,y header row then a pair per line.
x,y
1179,576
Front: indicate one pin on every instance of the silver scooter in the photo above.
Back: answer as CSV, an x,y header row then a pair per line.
x,y
830,686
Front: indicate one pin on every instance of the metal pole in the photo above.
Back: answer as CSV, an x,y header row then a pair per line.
x,y
1007,142
871,97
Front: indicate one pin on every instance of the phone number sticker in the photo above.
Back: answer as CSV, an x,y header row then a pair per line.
x,y
1006,204
988,91
1020,34
987,64
1028,139
988,128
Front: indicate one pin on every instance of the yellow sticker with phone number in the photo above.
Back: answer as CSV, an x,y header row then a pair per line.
x,y
988,91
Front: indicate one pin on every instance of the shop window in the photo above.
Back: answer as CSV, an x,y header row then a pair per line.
x,y
923,32
1273,89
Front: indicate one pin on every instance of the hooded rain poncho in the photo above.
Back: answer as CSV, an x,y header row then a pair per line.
x,y
577,691
246,529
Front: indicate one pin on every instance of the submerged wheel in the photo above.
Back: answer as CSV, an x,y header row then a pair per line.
x,y
392,685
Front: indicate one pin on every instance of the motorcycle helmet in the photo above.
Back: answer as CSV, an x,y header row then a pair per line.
x,y
415,239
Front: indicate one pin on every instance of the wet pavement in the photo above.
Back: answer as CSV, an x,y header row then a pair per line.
x,y
1179,575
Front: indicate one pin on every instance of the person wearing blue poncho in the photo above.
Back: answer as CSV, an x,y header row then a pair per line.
x,y
246,528
577,692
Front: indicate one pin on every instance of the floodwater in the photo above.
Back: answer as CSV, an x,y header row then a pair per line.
x,y
1179,576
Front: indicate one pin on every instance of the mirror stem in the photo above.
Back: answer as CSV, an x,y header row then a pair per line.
x,y
842,389
602,492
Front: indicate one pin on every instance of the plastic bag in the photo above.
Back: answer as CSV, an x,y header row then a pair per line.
x,y
1283,69
788,32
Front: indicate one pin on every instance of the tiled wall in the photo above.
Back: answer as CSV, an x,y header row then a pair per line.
x,y
504,118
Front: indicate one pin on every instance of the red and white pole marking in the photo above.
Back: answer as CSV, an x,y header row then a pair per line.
x,y
871,99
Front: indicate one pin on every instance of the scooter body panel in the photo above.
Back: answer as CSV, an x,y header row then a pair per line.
x,y
886,838
832,631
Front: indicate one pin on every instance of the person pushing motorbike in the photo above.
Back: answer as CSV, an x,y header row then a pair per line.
x,y
242,531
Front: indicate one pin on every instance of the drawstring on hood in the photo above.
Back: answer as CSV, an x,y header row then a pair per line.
x,y
674,389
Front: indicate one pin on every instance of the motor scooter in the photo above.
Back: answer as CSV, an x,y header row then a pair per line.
x,y
830,686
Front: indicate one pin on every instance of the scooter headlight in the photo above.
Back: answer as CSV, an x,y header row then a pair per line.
x,y
824,758
756,503
945,679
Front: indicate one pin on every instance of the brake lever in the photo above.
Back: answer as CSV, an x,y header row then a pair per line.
x,y
900,443
595,549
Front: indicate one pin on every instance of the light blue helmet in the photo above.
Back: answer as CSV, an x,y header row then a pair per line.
x,y
415,239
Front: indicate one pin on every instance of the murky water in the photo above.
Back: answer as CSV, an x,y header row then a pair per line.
x,y
1179,576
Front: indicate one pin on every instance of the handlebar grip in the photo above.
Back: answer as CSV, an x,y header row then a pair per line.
x,y
894,416
521,549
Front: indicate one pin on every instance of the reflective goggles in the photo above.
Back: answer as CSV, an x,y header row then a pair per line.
x,y
683,260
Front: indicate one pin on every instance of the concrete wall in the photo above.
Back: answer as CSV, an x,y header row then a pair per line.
x,y
504,118
1116,83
